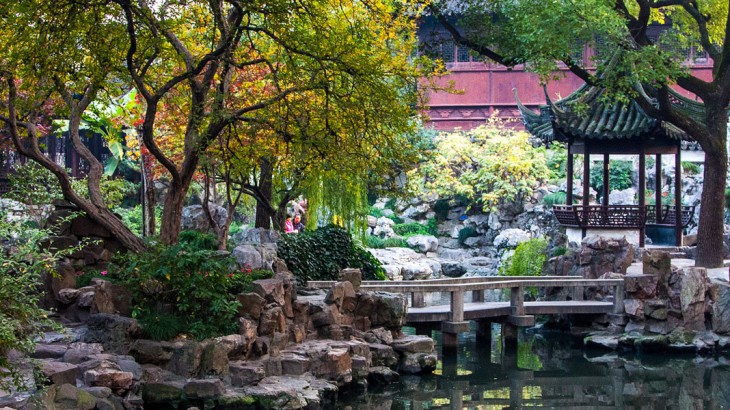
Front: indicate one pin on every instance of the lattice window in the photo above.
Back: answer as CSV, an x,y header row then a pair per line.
x,y
448,51
462,54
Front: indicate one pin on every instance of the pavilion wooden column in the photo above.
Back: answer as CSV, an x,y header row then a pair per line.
x,y
606,182
678,196
642,194
569,171
586,180
658,188
586,173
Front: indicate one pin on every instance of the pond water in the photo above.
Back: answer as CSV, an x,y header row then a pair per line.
x,y
553,371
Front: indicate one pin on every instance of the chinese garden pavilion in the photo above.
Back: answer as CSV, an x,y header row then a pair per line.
x,y
608,128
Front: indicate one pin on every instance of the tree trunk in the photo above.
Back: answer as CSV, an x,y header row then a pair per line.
x,y
170,225
264,213
712,210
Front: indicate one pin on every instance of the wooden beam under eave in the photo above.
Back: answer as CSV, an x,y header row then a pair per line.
x,y
569,171
642,196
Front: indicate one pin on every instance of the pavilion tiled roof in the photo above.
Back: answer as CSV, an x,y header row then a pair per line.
x,y
588,114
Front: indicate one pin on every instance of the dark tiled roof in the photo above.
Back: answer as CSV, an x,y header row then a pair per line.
x,y
602,119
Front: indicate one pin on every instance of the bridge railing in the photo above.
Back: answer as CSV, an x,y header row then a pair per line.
x,y
517,284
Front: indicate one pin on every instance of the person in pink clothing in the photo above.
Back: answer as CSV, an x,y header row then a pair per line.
x,y
288,225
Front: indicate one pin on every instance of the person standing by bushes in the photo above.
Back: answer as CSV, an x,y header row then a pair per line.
x,y
298,225
288,225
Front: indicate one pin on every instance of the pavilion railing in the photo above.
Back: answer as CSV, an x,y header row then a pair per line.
x,y
669,215
599,216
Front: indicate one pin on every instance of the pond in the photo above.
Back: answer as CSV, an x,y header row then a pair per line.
x,y
553,370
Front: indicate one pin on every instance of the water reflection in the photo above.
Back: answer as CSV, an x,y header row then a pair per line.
x,y
553,371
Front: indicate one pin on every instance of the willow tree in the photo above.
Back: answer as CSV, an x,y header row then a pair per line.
x,y
191,63
543,34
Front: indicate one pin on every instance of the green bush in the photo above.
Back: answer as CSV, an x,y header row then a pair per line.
x,y
690,168
410,229
465,233
199,240
161,326
432,227
560,251
619,175
527,259
241,282
322,253
555,198
376,242
441,208
557,160
21,319
132,218
376,212
182,280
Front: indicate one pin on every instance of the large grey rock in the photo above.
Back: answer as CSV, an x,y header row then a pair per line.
x,y
423,243
194,219
692,297
248,256
721,307
416,271
510,238
116,333
255,236
59,372
623,197
389,310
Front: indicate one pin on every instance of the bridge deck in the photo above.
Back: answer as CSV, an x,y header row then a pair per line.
x,y
484,310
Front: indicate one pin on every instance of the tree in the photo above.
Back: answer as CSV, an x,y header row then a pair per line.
x,y
541,35
202,68
53,65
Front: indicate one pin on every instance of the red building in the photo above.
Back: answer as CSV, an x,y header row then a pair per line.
x,y
486,88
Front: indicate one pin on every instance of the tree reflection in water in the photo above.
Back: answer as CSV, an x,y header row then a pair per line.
x,y
553,371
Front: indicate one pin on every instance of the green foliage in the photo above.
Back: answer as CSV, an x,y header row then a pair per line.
x,y
555,198
410,229
199,240
183,280
557,160
488,166
132,218
32,184
161,326
619,175
441,208
432,226
242,281
322,253
113,190
376,212
527,259
559,251
690,168
375,242
466,232
727,198
21,319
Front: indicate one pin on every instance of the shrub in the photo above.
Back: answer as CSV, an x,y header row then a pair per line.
x,y
183,280
199,240
559,251
241,282
132,218
376,242
322,253
432,227
21,318
410,229
555,198
441,208
465,233
690,168
619,175
527,259
376,212
161,326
